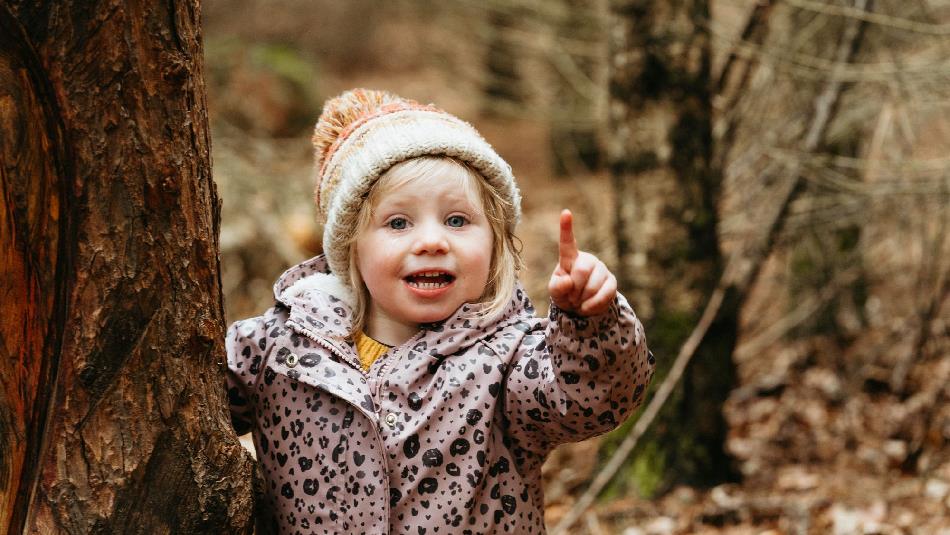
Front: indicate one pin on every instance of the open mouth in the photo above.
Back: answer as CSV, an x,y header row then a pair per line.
x,y
430,280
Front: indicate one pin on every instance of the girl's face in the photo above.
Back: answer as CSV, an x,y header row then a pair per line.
x,y
426,251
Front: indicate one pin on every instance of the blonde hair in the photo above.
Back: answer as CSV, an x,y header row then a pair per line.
x,y
506,251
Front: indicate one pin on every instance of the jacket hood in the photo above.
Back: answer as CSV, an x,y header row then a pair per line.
x,y
310,274
311,286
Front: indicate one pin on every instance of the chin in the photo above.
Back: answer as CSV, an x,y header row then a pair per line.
x,y
432,316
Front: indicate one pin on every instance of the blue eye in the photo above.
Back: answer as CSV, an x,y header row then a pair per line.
x,y
397,223
455,221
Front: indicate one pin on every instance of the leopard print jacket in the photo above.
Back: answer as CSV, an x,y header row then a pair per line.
x,y
445,433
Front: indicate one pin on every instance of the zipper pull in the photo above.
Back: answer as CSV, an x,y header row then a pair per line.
x,y
373,385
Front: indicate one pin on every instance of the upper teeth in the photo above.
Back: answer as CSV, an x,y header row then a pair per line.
x,y
429,274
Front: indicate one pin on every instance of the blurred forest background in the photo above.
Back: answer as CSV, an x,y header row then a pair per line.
x,y
769,180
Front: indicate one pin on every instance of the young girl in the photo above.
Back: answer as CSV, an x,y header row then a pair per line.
x,y
401,383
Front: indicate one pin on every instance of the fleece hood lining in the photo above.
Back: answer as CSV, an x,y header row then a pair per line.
x,y
327,283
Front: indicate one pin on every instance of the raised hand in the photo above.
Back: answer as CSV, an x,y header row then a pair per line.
x,y
581,283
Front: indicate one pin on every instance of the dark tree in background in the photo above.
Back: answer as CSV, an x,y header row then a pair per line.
x,y
662,162
112,411
503,89
575,143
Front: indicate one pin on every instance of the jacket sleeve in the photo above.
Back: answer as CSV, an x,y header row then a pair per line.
x,y
247,343
574,377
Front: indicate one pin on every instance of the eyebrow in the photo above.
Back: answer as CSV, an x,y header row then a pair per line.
x,y
412,199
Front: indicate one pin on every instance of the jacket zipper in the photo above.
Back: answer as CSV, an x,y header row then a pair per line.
x,y
379,438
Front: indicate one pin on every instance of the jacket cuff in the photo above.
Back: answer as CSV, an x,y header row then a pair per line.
x,y
571,323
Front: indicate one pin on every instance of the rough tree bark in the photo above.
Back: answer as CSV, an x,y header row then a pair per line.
x,y
112,410
661,156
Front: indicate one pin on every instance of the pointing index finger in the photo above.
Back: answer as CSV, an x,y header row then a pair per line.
x,y
567,245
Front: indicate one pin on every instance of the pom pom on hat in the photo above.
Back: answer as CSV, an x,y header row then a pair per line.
x,y
340,112
362,133
346,111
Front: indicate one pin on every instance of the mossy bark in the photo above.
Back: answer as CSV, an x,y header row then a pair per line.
x,y
667,188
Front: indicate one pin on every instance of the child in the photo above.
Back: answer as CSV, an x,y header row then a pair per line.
x,y
401,383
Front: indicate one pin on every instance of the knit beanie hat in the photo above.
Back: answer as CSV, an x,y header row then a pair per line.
x,y
362,133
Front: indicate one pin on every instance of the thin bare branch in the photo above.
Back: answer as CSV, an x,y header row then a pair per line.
x,y
746,265
755,32
821,69
925,28
582,84
805,309
905,166
751,33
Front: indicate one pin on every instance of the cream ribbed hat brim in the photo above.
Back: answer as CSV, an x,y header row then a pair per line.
x,y
381,142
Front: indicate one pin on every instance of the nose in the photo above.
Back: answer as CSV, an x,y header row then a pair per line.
x,y
430,239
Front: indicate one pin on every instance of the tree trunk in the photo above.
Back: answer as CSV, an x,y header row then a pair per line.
x,y
667,188
503,88
576,125
112,409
